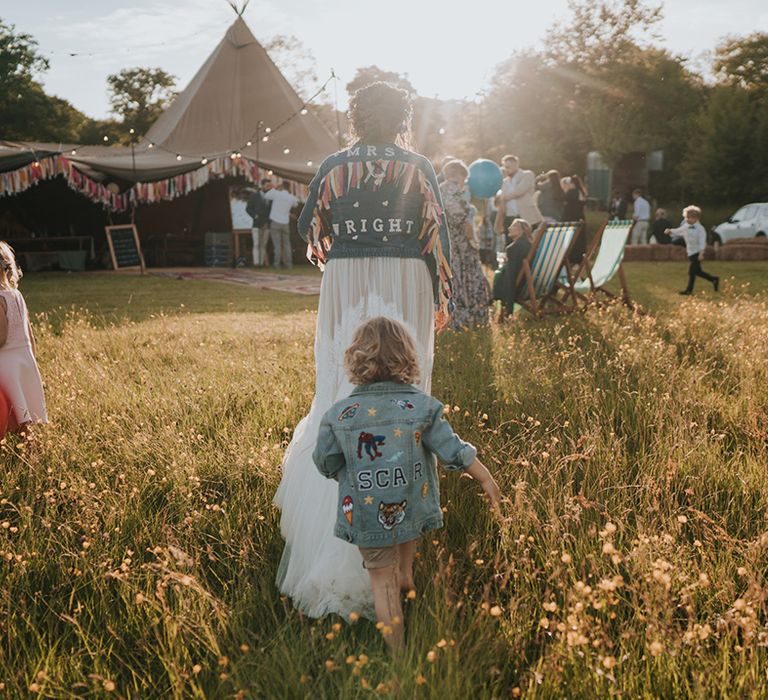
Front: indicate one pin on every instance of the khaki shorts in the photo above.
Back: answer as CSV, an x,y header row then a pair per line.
x,y
379,557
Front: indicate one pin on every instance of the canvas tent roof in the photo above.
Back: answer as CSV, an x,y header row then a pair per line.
x,y
236,94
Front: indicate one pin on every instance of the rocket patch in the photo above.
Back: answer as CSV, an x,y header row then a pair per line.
x,y
417,435
349,412
347,507
425,490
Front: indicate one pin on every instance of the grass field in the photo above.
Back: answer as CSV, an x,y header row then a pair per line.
x,y
138,544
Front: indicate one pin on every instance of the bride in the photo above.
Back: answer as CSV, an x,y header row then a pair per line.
x,y
374,219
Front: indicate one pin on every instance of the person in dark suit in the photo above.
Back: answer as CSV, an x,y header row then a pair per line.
x,y
617,209
258,209
505,287
659,227
573,210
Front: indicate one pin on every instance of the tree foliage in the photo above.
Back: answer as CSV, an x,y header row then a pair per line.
x,y
296,63
27,113
743,62
139,95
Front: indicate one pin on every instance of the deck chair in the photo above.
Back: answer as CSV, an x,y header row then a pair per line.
x,y
602,262
548,279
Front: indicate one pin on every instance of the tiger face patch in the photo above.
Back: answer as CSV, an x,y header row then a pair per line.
x,y
391,514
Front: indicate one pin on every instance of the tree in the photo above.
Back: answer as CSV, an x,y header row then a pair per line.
x,y
27,113
600,32
296,63
743,62
139,96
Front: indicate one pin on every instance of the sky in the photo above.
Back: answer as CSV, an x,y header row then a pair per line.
x,y
447,48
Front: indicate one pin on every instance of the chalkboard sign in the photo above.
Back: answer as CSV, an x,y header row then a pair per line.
x,y
125,247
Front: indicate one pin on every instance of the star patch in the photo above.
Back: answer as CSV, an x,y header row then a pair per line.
x,y
398,433
368,500
371,411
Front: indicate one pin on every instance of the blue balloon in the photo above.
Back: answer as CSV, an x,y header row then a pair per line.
x,y
484,178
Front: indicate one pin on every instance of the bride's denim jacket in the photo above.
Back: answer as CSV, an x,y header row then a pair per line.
x,y
378,200
381,445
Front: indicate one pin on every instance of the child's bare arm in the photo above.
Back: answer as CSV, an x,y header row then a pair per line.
x,y
478,471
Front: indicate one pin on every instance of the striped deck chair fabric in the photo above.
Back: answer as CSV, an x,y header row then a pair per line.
x,y
609,256
550,255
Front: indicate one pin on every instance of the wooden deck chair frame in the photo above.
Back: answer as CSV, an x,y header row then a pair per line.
x,y
539,306
588,265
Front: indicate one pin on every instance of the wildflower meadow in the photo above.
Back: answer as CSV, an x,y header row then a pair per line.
x,y
139,544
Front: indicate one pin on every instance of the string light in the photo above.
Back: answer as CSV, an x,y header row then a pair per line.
x,y
441,131
204,161
106,138
36,163
131,130
309,163
303,111
249,143
178,156
151,145
268,130
74,151
265,138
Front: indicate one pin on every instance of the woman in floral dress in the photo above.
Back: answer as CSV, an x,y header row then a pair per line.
x,y
471,295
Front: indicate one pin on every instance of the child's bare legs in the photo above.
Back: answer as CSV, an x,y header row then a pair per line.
x,y
406,552
386,599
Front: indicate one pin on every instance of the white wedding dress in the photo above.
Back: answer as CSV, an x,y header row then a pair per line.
x,y
321,573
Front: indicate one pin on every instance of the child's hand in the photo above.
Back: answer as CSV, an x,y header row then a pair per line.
x,y
493,492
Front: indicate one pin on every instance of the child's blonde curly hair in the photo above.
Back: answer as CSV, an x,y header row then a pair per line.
x,y
382,350
10,272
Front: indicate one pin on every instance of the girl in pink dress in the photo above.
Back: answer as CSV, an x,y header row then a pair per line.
x,y
20,380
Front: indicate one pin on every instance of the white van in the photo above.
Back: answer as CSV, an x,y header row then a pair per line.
x,y
750,221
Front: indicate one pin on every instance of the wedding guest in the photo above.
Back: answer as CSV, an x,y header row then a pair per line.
x,y
551,196
20,380
573,210
695,237
659,228
641,215
506,288
517,190
258,209
471,295
617,209
279,224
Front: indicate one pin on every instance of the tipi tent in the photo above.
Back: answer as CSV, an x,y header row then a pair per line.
x,y
237,116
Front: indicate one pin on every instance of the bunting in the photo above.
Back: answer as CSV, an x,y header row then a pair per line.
x,y
21,179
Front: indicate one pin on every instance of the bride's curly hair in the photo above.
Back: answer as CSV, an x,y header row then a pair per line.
x,y
380,111
382,350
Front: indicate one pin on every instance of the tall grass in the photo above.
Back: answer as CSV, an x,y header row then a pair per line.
x,y
138,543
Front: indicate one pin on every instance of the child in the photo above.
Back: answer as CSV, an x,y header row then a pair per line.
x,y
695,237
19,376
381,445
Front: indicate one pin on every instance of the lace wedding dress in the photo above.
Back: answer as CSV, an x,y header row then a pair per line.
x,y
321,573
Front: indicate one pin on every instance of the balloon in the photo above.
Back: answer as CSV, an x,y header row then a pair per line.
x,y
484,178
6,420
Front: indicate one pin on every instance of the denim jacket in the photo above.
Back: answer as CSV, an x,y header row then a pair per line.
x,y
378,200
381,445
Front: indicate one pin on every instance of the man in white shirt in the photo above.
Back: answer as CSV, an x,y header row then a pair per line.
x,y
517,191
695,236
279,224
641,216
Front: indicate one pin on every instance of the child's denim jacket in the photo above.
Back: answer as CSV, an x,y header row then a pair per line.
x,y
381,445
